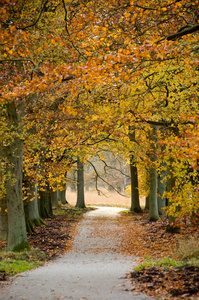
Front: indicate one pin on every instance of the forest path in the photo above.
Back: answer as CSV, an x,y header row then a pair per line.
x,y
93,269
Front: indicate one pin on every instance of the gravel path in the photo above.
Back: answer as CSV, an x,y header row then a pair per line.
x,y
92,270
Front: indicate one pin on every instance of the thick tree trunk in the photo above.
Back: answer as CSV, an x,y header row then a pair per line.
x,y
147,203
45,207
17,236
3,219
80,184
62,196
153,202
135,202
48,201
61,193
54,198
29,223
170,185
33,207
161,190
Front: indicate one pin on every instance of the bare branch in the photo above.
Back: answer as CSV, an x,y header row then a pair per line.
x,y
180,33
98,176
106,166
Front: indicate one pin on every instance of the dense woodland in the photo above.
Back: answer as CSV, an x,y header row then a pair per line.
x,y
80,79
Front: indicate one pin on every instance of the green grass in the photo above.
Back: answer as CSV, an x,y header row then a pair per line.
x,y
127,213
13,263
70,211
16,262
187,252
164,263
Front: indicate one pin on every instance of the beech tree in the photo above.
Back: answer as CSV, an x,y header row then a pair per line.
x,y
80,184
97,68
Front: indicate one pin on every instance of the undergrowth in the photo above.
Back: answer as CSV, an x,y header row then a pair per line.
x,y
186,253
16,262
12,263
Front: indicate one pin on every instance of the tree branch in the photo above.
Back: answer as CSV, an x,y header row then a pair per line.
x,y
37,20
98,176
19,59
68,33
180,33
106,166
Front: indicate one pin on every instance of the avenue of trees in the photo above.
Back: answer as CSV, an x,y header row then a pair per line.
x,y
80,77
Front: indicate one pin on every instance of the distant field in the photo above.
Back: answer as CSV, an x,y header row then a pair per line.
x,y
93,198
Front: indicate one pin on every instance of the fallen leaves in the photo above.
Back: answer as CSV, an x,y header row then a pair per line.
x,y
141,237
131,235
52,239
55,238
177,283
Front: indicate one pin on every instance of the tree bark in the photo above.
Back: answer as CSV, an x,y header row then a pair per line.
x,y
135,202
170,185
45,206
17,236
54,198
80,184
3,219
147,203
29,223
153,202
62,196
62,193
33,206
161,190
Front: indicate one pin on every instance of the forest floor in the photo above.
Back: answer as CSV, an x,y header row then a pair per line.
x,y
148,241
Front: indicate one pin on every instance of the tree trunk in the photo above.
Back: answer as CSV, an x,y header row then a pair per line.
x,y
45,207
54,198
80,184
17,236
147,203
135,202
33,206
170,185
153,202
62,193
29,223
62,196
3,219
161,190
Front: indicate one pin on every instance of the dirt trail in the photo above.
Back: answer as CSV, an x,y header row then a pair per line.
x,y
93,269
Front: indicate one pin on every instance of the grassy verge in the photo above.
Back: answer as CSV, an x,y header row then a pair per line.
x,y
12,263
186,253
173,277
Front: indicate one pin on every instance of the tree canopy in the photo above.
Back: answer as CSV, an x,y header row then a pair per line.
x,y
77,76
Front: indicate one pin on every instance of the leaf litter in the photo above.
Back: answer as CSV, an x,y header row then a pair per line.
x,y
147,239
134,235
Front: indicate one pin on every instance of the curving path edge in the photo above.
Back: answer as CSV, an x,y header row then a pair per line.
x,y
92,270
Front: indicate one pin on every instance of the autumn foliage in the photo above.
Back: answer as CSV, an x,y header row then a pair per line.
x,y
76,75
